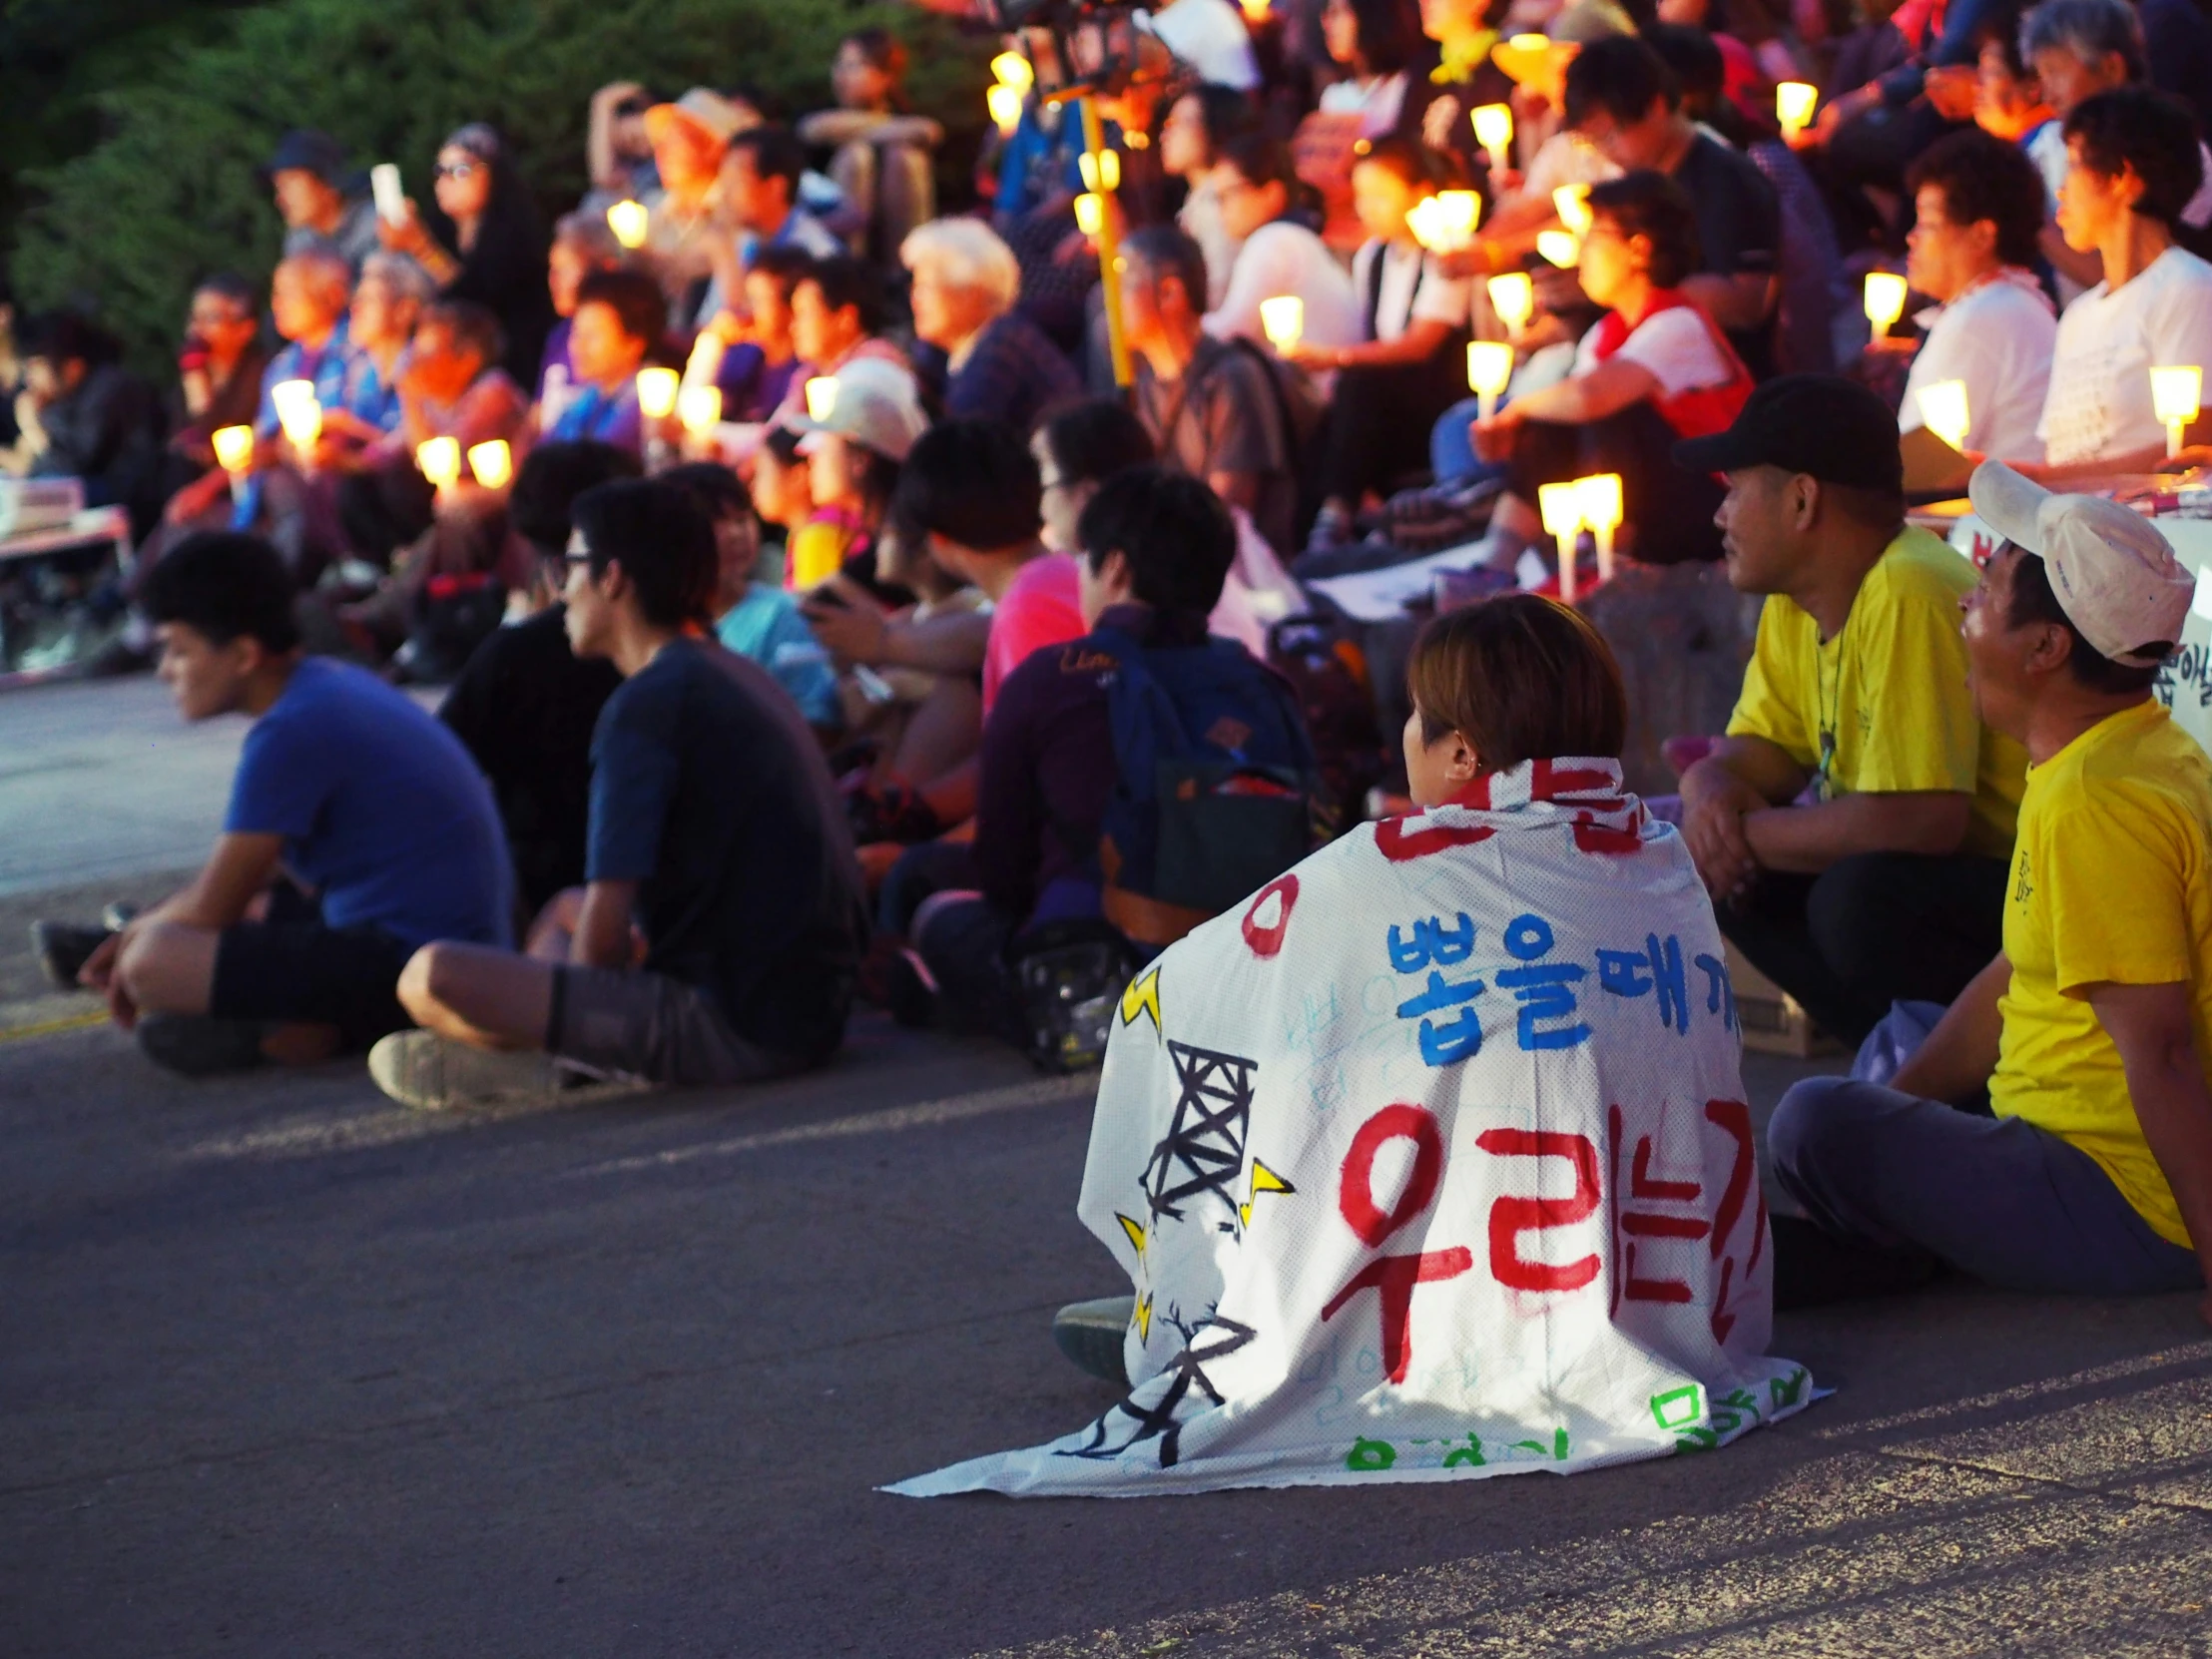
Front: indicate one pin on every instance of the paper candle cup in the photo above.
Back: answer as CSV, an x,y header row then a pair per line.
x,y
1598,499
1090,213
821,398
1944,411
1490,372
233,447
1012,69
657,392
1457,211
492,462
1102,171
1513,298
698,409
2176,396
1792,105
705,361
1493,130
297,411
1004,104
1561,506
1885,298
1282,318
439,460
630,221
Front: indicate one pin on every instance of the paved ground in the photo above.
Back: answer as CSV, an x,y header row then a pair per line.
x,y
287,1372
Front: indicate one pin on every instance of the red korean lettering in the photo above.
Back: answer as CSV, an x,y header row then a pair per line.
x,y
1393,1278
1511,1217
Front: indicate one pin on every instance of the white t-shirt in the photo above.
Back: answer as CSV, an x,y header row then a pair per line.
x,y
1210,37
2099,405
2046,148
1998,338
1283,257
1413,285
1675,345
1375,102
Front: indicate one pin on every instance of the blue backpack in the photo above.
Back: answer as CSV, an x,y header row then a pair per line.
x,y
1217,788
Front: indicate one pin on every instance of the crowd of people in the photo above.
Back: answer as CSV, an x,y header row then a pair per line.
x,y
825,621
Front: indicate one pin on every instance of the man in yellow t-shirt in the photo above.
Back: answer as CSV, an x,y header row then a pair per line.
x,y
1854,823
2091,1028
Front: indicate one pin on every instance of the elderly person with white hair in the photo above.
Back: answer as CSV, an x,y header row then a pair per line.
x,y
999,364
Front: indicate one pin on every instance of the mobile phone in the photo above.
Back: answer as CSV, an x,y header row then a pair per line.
x,y
392,201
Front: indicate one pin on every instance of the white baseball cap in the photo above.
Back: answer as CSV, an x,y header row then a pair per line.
x,y
875,404
2112,573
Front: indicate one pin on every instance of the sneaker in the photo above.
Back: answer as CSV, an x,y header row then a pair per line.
x,y
62,949
432,1073
198,1045
1090,1335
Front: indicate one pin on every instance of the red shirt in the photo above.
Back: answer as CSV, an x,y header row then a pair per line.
x,y
1040,609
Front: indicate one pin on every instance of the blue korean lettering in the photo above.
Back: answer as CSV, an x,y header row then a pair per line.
x,y
1541,988
1432,942
1441,993
1667,977
1720,991
1623,973
1450,1041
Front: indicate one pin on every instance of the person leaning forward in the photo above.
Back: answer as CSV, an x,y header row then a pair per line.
x,y
1855,823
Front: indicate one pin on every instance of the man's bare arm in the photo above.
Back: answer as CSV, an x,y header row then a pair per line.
x,y
1806,839
2153,1027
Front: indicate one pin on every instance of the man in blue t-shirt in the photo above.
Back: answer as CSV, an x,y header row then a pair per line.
x,y
358,831
718,933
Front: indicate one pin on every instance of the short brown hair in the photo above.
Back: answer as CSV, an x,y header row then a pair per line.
x,y
1522,678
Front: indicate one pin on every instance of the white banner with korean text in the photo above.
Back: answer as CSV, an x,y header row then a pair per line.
x,y
1432,1163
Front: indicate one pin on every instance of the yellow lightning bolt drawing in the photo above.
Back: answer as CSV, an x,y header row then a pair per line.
x,y
1135,1230
1144,1319
1264,1180
1142,997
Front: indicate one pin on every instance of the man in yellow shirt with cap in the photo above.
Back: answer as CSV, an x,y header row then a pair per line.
x,y
2091,1027
1853,825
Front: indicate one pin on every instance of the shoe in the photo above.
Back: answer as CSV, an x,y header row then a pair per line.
x,y
116,659
117,915
430,1073
911,991
1090,1335
198,1045
63,950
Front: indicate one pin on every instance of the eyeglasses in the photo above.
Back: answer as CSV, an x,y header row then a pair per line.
x,y
458,169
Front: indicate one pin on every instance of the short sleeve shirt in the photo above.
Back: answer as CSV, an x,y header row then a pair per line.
x,y
1675,346
1042,607
2099,404
2111,883
1223,416
1882,708
1738,227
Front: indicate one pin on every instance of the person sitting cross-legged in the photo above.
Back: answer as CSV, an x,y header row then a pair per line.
x,y
2090,1029
1889,882
718,933
358,832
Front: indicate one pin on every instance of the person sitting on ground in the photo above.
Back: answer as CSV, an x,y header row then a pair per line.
x,y
96,420
347,789
485,245
758,619
760,363
582,245
1410,364
2135,161
1276,253
619,321
852,454
883,154
219,373
1209,404
682,225
999,364
1622,97
1978,205
1889,884
759,204
316,194
2089,1168
1190,137
380,326
525,704
308,299
1654,371
1063,833
716,841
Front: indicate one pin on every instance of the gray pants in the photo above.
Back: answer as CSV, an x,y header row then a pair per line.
x,y
650,1027
1897,1181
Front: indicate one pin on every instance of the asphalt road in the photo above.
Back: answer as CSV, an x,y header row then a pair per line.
x,y
288,1371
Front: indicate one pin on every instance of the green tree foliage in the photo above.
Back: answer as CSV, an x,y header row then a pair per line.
x,y
170,192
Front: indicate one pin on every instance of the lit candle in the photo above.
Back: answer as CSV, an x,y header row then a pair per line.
x,y
1944,411
1561,506
1884,300
657,392
1530,43
1572,204
2176,395
1513,298
1425,220
1598,500
233,448
698,409
1562,248
1793,106
439,460
821,398
1457,213
1004,104
629,221
1493,130
1283,319
1090,214
1102,171
297,411
1255,11
492,462
1489,369
1012,69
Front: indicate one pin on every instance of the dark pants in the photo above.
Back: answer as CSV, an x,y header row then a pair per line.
x,y
1379,421
291,967
384,509
1670,508
1872,929
1895,1185
963,940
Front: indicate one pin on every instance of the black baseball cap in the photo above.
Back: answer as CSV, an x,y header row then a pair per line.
x,y
1821,425
306,151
